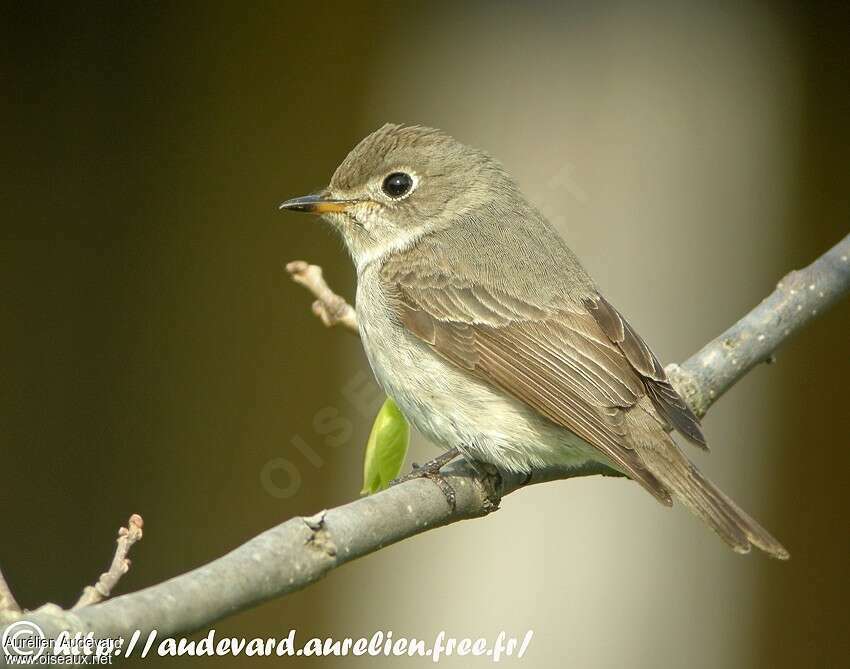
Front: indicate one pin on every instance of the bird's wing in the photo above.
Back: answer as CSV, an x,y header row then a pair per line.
x,y
579,365
667,401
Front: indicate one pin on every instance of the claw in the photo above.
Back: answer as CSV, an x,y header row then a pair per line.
x,y
431,470
445,488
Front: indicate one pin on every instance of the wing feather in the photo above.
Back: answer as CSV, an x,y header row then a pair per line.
x,y
559,362
665,398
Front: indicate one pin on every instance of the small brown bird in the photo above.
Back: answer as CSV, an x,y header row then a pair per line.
x,y
488,333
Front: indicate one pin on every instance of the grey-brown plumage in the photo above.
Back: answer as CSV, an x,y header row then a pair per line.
x,y
483,326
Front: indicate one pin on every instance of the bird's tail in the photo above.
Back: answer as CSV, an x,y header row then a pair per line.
x,y
670,466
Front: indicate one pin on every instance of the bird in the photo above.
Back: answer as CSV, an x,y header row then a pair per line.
x,y
482,325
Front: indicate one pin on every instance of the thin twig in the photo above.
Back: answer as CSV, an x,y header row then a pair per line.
x,y
127,536
300,551
329,307
7,599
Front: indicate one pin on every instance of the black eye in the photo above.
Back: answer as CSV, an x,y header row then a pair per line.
x,y
397,184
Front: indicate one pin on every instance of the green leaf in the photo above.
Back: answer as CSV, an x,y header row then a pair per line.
x,y
386,448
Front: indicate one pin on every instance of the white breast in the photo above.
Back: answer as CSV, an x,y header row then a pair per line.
x,y
449,405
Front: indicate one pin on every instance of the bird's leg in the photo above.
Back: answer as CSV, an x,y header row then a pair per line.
x,y
437,463
431,470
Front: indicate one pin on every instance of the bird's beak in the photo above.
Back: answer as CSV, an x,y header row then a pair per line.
x,y
316,204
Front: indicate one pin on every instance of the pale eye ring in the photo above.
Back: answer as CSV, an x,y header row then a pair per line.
x,y
397,185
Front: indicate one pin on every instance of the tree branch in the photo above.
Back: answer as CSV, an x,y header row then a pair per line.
x,y
127,536
8,605
798,298
329,307
300,551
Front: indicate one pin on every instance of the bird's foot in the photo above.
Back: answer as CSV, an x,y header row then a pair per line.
x,y
431,470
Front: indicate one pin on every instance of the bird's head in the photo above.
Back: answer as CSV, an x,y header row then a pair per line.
x,y
404,182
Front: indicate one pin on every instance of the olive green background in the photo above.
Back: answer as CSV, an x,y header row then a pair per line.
x,y
155,358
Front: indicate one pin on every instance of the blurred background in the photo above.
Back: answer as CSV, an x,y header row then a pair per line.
x,y
155,357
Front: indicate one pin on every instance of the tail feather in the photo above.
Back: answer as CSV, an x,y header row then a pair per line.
x,y
669,465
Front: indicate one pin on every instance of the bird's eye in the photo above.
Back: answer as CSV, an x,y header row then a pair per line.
x,y
397,184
